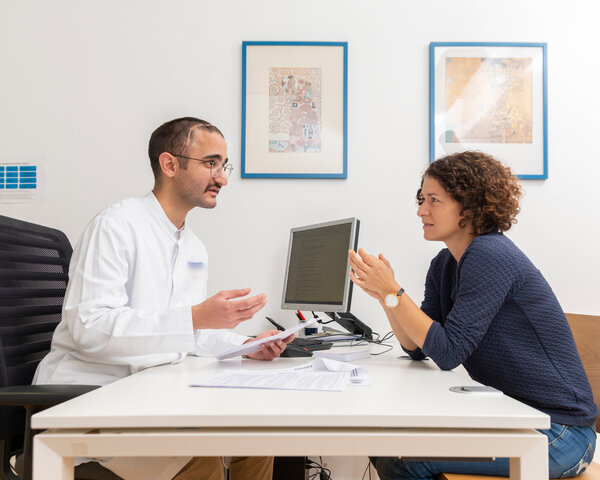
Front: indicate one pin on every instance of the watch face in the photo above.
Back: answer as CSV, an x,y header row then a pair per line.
x,y
391,300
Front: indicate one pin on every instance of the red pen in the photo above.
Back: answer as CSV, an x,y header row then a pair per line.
x,y
300,316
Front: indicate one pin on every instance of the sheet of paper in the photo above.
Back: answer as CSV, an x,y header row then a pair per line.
x,y
335,337
358,375
252,347
328,381
319,374
344,354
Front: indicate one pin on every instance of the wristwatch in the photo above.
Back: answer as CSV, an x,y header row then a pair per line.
x,y
392,300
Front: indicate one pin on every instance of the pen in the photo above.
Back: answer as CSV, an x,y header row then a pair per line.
x,y
277,326
300,316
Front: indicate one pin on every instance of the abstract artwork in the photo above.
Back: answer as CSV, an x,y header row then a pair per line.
x,y
294,109
490,97
488,100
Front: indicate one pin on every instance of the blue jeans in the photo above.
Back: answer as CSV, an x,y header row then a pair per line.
x,y
570,450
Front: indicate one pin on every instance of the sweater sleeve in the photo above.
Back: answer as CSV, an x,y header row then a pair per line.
x,y
485,278
430,304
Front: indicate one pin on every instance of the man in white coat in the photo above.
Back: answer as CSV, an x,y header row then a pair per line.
x,y
137,292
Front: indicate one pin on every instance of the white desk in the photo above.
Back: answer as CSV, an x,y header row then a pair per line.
x,y
408,411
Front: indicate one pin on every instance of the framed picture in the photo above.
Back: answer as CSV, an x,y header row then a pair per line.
x,y
294,109
490,97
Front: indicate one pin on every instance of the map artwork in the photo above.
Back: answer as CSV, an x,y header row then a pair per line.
x,y
294,110
488,100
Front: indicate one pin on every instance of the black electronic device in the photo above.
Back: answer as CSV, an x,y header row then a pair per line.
x,y
352,324
300,347
316,276
295,351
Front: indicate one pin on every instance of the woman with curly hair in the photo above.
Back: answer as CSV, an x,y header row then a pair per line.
x,y
487,307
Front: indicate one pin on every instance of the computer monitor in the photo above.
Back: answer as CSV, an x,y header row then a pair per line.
x,y
316,274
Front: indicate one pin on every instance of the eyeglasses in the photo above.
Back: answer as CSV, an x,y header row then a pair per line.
x,y
215,167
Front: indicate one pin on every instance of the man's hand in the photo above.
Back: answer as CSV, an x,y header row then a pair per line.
x,y
272,349
222,311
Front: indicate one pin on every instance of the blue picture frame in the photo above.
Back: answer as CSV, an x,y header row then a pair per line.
x,y
515,126
264,156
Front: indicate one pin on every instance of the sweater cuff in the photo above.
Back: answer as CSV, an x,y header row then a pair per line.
x,y
416,354
430,339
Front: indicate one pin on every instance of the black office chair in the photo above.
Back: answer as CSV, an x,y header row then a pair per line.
x,y
34,263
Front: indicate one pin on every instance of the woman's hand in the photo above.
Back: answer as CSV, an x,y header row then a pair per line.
x,y
373,274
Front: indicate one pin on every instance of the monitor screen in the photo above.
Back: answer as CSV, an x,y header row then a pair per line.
x,y
316,276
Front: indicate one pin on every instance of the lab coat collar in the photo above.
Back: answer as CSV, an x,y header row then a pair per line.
x,y
155,207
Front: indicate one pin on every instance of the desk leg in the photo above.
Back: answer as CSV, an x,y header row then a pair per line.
x,y
48,464
532,464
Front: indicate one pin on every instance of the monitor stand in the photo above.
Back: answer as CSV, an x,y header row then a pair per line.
x,y
351,323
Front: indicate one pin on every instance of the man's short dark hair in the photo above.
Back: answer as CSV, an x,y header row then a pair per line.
x,y
174,137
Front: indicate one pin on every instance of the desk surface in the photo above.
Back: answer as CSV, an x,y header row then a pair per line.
x,y
404,394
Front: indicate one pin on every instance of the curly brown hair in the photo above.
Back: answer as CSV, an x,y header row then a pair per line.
x,y
487,191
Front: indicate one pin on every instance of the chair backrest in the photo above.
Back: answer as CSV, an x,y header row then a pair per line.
x,y
586,331
34,263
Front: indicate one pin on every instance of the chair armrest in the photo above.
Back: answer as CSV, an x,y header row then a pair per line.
x,y
41,395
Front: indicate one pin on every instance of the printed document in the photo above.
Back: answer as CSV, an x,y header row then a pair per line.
x,y
320,374
252,347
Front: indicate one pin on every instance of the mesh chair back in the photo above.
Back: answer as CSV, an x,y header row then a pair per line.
x,y
34,262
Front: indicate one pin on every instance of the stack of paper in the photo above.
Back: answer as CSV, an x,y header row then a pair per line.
x,y
254,346
343,354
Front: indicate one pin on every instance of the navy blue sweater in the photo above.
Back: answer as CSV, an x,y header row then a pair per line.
x,y
495,313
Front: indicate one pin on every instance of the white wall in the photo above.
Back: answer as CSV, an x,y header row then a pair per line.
x,y
84,83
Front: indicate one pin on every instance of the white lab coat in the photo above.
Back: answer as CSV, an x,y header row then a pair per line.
x,y
133,278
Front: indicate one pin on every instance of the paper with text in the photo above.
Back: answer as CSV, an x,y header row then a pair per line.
x,y
320,374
